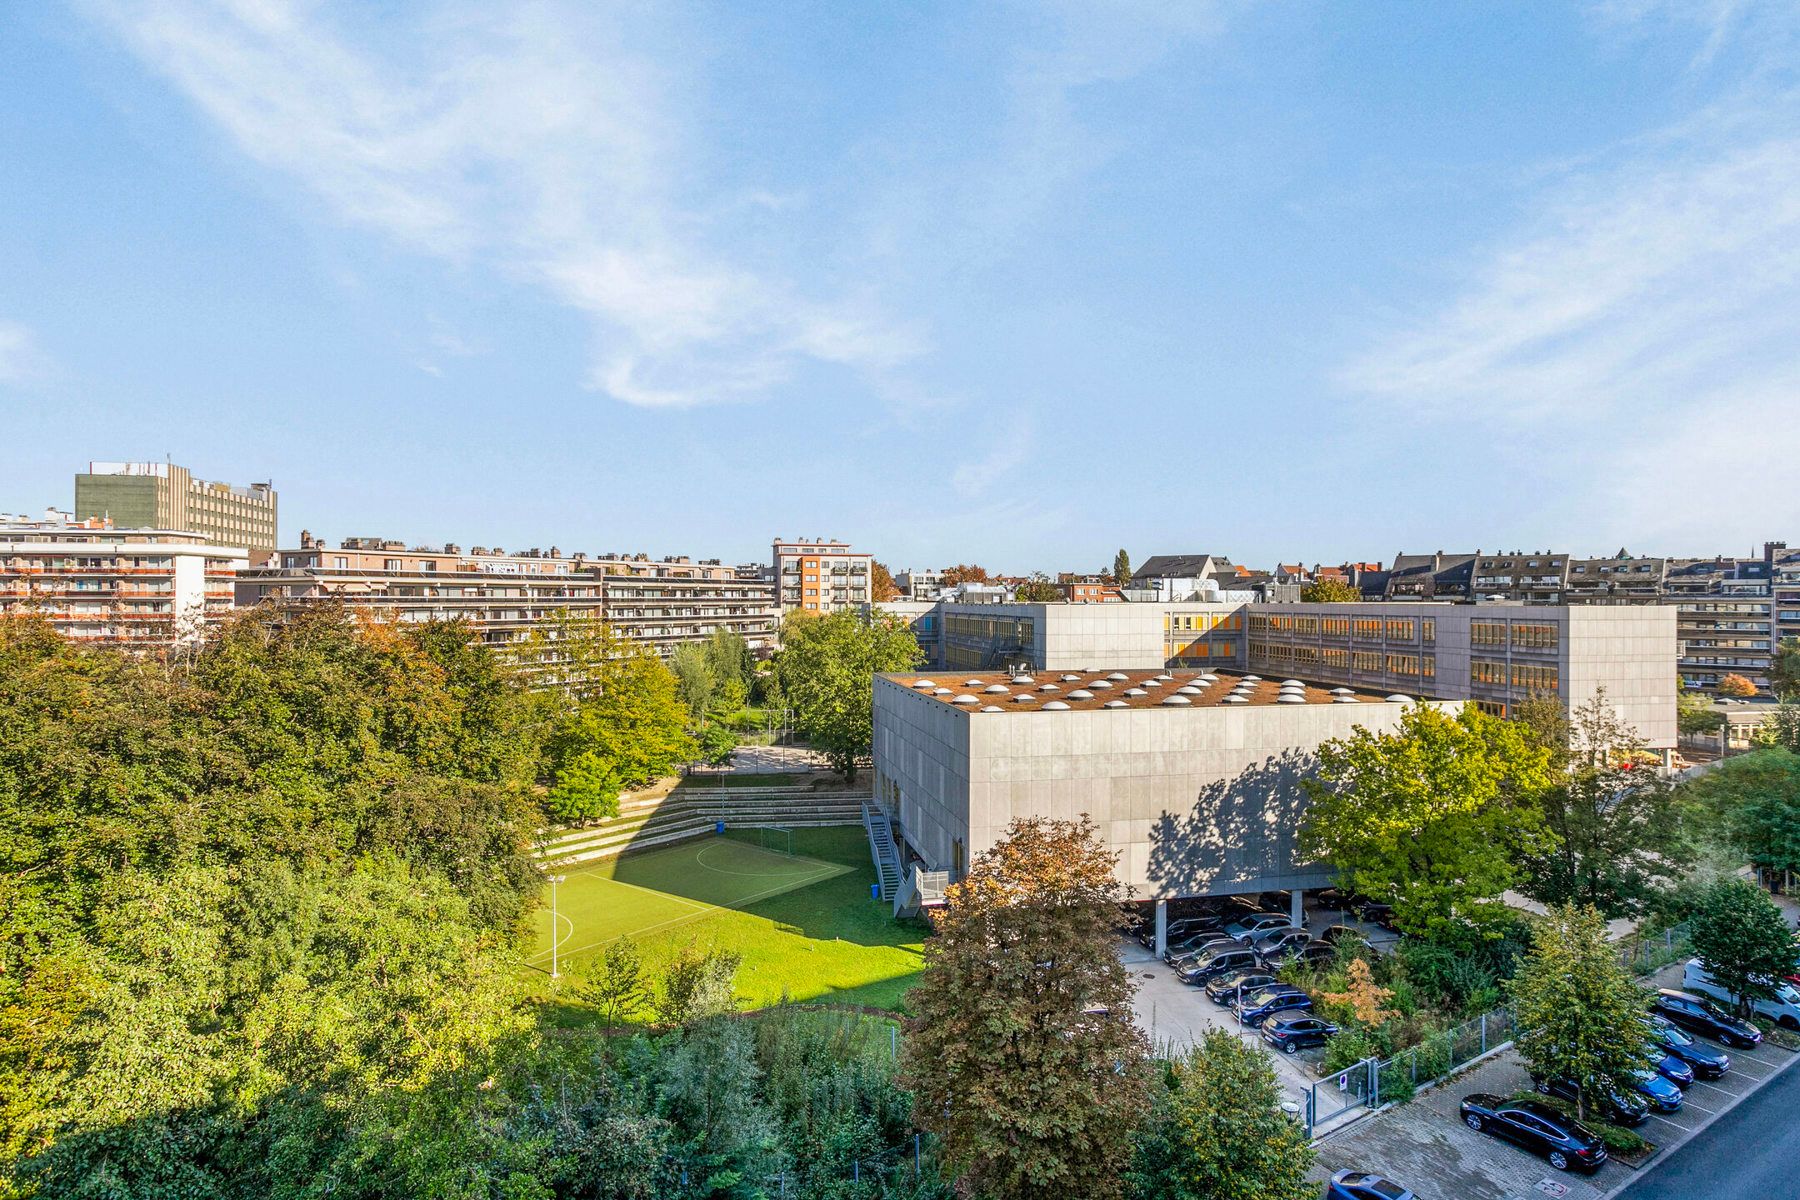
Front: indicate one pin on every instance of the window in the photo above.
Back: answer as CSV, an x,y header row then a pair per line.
x,y
1366,663
1400,629
1487,670
1487,633
1403,664
1428,627
1367,628
1534,677
1534,637
1338,660
1335,626
1492,708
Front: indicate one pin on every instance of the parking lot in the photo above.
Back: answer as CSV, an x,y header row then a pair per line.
x,y
1425,1145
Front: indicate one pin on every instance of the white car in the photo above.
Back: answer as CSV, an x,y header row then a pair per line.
x,y
1784,1010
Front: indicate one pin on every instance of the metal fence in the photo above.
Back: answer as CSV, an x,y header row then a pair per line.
x,y
1439,1054
1644,954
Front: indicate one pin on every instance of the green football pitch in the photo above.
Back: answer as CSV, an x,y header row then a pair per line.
x,y
803,922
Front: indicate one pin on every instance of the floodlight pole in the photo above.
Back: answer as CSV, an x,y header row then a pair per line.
x,y
554,880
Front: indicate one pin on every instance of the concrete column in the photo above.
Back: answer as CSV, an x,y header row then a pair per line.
x,y
1162,927
1297,907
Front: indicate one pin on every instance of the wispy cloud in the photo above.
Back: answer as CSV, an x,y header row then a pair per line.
x,y
534,140
22,361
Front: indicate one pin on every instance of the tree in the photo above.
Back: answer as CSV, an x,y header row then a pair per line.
x,y
881,584
1330,591
698,983
1037,590
1782,730
1755,799
1022,1056
1363,997
965,573
1694,713
615,984
1736,686
827,669
1581,1012
1429,817
1217,1131
695,681
1121,568
715,744
1743,940
1784,672
1620,832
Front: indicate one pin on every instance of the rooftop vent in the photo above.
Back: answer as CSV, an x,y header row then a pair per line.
x,y
995,689
965,698
1081,694
1292,683
1234,698
1150,683
1118,677
1397,698
1056,706
971,683
1253,679
1190,690
1207,677
993,708
940,691
1100,683
1342,691
925,684
1048,687
1070,678
1022,679
1176,700
1136,692
1344,700
1290,698
1024,698
1115,704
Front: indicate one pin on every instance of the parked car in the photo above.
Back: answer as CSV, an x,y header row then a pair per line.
x,y
1290,1032
1783,1009
1375,913
1195,945
1186,927
1659,1093
1364,1185
1668,1065
1334,899
1225,989
1276,939
1257,923
1700,1015
1569,1145
1254,1010
1300,954
1613,1105
1214,963
1275,901
1333,934
1706,1062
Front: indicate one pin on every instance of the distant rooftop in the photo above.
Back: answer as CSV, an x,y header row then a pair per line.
x,y
1037,691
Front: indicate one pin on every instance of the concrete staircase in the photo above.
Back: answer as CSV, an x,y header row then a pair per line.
x,y
648,821
883,850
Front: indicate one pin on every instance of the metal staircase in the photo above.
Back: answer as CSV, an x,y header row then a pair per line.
x,y
883,850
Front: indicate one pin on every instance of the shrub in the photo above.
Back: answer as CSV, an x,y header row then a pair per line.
x,y
1348,1047
698,983
1618,1139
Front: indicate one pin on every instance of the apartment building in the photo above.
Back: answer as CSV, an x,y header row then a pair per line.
x,y
505,597
819,576
915,584
1089,589
152,495
1784,589
97,583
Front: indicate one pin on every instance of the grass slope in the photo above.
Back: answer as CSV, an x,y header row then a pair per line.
x,y
805,926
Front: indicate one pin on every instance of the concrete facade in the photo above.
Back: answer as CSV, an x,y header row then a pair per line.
x,y
164,496
1196,800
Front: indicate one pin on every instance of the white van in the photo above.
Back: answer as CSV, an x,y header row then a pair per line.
x,y
1784,1010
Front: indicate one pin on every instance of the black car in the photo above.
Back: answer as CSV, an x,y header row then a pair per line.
x,y
1224,989
1214,963
1699,1015
1611,1105
1375,913
1304,954
1289,1032
1277,940
1569,1145
1333,899
1192,946
1186,927
1333,934
1706,1062
1254,1010
1365,1185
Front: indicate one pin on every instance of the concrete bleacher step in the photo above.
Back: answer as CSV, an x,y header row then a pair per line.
x,y
661,820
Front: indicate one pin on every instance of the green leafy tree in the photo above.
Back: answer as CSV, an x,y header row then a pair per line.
x,y
1755,799
1784,673
1022,1056
615,985
699,982
715,745
1330,591
1620,832
1782,730
1037,590
1121,568
1430,817
1218,1132
1743,940
827,669
695,680
1581,1012
1694,713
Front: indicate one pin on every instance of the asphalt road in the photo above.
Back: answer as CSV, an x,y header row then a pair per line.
x,y
1748,1154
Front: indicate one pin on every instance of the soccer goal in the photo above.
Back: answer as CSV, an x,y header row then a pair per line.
x,y
776,838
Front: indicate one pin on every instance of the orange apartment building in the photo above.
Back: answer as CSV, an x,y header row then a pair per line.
x,y
820,576
94,583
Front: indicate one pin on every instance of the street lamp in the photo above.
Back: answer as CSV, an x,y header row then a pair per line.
x,y
554,880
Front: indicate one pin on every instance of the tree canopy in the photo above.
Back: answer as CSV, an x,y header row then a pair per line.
x,y
1743,940
1755,800
1330,591
1784,673
1736,686
881,583
965,573
827,667
1037,590
1121,568
1430,817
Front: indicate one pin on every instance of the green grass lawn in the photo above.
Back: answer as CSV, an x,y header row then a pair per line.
x,y
804,923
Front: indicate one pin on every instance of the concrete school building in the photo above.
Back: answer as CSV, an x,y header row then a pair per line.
x,y
1193,778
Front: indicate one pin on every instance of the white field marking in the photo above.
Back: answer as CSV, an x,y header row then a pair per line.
x,y
703,910
787,874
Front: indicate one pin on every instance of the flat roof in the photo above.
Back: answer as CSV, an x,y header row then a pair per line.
x,y
1031,691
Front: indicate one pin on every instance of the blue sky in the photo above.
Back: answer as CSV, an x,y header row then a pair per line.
x,y
1016,284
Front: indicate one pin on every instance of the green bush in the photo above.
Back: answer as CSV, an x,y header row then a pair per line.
x,y
1617,1139
1348,1047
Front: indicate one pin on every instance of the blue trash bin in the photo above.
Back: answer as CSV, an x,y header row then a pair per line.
x,y
718,827
874,891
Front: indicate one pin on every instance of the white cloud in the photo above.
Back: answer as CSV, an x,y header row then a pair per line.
x,y
21,360
532,139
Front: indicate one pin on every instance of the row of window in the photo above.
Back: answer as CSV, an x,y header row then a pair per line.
x,y
1019,629
1522,635
1391,629
1203,621
1521,677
